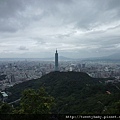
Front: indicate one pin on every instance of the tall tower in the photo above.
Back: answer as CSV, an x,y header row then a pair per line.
x,y
56,61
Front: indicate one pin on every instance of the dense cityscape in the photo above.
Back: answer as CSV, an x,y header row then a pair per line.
x,y
60,58
15,72
12,73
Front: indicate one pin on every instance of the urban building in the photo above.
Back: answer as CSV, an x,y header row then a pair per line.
x,y
56,61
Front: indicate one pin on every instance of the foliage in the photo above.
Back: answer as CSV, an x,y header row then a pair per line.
x,y
35,102
5,108
114,108
74,93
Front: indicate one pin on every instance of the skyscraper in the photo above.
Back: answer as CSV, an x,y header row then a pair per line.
x,y
56,61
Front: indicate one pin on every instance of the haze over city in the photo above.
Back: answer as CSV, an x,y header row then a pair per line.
x,y
77,28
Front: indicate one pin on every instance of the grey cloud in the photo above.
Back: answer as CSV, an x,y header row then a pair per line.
x,y
95,12
9,19
39,40
84,13
9,8
61,23
22,48
113,4
62,36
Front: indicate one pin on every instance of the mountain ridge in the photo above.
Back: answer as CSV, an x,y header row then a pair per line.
x,y
74,92
115,56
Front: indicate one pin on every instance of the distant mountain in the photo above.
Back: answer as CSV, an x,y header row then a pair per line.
x,y
115,56
74,93
66,58
26,59
61,58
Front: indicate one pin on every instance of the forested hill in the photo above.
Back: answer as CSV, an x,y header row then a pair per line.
x,y
55,82
74,92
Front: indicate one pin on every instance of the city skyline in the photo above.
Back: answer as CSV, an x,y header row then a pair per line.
x,y
79,29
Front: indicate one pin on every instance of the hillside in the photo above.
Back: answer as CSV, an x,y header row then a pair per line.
x,y
74,92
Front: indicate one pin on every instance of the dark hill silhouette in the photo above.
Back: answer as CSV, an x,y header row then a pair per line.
x,y
74,92
54,81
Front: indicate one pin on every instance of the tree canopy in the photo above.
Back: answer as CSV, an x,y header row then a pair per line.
x,y
35,102
74,93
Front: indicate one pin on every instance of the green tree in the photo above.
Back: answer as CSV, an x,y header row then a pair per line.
x,y
114,108
35,102
5,108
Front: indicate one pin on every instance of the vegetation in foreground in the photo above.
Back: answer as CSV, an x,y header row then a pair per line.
x,y
74,93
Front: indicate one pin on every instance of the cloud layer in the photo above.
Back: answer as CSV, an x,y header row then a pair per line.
x,y
77,28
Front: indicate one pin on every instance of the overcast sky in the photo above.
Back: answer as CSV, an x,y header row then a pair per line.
x,y
77,28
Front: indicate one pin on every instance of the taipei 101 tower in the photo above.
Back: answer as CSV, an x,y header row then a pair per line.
x,y
56,61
